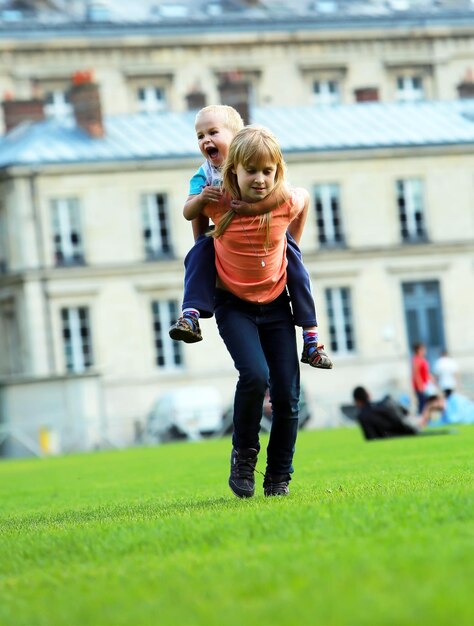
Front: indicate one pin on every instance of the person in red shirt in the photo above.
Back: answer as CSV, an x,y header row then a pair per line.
x,y
420,374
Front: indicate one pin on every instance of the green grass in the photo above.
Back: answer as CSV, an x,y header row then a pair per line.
x,y
373,533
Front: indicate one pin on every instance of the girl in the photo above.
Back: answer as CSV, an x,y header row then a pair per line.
x,y
252,306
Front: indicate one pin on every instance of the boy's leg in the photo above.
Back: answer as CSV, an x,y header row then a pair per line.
x,y
303,307
199,290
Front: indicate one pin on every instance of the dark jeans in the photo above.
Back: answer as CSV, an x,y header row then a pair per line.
x,y
200,277
200,281
421,399
261,340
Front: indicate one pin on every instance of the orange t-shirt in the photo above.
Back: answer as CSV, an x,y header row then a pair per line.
x,y
240,251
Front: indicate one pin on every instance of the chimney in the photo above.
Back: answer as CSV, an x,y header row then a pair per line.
x,y
366,94
466,87
85,100
235,92
17,111
196,100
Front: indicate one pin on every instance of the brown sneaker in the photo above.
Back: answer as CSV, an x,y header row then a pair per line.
x,y
186,329
318,357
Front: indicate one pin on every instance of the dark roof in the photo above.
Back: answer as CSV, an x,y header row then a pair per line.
x,y
43,20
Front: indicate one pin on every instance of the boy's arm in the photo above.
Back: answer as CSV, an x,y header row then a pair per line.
x,y
297,225
259,208
195,204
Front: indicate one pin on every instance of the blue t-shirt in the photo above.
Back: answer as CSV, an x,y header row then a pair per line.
x,y
207,174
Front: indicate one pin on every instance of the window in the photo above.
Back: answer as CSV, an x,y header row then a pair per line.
x,y
339,308
328,215
151,99
168,353
156,234
424,316
67,232
77,338
10,339
409,88
410,210
326,92
57,104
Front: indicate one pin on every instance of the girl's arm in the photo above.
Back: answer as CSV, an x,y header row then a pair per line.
x,y
266,205
297,225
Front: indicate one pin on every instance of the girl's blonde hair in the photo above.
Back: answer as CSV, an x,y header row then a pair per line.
x,y
230,116
255,146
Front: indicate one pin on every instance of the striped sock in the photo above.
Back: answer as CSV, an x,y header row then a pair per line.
x,y
310,336
194,313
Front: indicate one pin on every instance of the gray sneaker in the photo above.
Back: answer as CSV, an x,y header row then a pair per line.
x,y
318,357
186,329
242,468
276,485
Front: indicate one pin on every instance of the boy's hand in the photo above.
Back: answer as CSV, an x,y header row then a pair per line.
x,y
211,194
246,208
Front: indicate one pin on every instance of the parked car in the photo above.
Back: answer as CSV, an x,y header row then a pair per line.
x,y
266,423
189,412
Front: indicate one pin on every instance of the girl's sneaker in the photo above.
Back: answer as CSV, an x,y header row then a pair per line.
x,y
276,485
242,468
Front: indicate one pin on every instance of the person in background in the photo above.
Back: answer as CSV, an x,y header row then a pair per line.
x,y
420,374
381,420
446,372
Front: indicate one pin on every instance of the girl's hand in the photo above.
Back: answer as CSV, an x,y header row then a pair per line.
x,y
211,194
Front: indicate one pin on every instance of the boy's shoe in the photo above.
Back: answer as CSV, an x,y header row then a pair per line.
x,y
186,329
276,485
317,358
242,468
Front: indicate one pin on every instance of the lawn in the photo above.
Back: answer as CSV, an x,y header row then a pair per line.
x,y
375,533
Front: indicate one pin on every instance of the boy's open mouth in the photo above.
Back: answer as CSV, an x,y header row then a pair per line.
x,y
212,152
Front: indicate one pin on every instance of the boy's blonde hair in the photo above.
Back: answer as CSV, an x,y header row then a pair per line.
x,y
256,146
231,117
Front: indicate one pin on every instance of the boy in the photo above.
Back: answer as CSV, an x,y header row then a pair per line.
x,y
216,126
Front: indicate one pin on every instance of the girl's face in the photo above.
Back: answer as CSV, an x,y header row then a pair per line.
x,y
256,181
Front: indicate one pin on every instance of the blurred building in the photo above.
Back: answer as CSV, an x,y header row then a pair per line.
x,y
92,240
177,55
373,104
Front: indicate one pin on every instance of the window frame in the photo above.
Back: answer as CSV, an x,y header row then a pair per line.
x,y
149,105
340,315
407,199
168,354
328,215
155,226
75,342
66,223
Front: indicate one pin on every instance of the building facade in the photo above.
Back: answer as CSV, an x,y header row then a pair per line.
x,y
92,240
242,55
371,101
